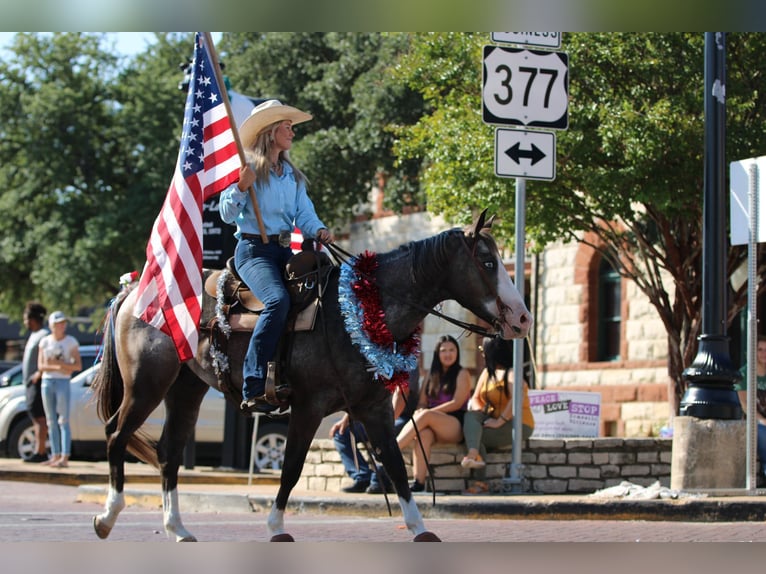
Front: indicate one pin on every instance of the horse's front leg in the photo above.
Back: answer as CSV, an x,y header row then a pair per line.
x,y
387,452
115,499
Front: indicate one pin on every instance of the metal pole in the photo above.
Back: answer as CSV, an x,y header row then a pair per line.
x,y
752,330
514,478
711,376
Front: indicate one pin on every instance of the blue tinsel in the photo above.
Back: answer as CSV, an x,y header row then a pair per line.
x,y
384,362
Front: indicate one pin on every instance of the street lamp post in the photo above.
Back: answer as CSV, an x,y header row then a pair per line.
x,y
711,377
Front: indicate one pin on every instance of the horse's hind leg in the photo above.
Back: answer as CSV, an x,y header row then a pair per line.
x,y
300,433
182,408
115,499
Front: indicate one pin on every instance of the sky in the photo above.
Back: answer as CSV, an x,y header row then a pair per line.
x,y
127,43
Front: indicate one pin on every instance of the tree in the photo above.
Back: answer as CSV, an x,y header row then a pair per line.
x,y
86,155
630,166
342,79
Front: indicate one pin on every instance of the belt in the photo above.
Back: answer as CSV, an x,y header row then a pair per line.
x,y
274,238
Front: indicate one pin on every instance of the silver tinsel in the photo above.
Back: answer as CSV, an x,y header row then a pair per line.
x,y
220,360
384,362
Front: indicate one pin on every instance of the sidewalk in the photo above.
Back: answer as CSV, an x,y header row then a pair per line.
x,y
208,489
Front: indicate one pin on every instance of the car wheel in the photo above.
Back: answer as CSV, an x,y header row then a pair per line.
x,y
21,439
270,446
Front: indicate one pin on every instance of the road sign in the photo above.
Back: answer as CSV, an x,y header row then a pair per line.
x,y
525,87
740,184
524,153
542,39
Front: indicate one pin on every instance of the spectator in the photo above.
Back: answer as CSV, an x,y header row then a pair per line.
x,y
488,421
365,480
441,406
760,397
58,358
34,319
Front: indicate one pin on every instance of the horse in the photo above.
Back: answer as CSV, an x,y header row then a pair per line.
x,y
326,369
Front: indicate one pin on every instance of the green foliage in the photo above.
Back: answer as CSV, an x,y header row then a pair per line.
x,y
343,80
629,168
86,154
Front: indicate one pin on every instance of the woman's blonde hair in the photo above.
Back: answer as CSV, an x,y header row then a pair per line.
x,y
258,156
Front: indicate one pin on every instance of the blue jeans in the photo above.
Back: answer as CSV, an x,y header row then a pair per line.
x,y
56,395
262,267
761,446
342,441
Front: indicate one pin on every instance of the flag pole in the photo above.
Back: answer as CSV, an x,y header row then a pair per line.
x,y
219,77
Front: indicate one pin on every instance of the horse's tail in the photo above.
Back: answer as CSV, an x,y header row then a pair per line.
x,y
108,388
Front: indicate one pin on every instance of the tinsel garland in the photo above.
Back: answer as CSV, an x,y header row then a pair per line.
x,y
220,360
365,322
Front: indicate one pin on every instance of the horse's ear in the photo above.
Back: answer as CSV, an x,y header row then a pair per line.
x,y
479,225
488,223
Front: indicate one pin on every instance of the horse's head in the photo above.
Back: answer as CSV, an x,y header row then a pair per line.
x,y
482,275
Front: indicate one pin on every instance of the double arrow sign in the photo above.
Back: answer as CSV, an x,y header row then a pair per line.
x,y
520,153
516,153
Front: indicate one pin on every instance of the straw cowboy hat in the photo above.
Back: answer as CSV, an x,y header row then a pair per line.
x,y
265,114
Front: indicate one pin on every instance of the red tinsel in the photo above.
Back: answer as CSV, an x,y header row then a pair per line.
x,y
374,322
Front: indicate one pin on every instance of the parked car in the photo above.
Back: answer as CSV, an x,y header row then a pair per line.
x,y
88,441
12,376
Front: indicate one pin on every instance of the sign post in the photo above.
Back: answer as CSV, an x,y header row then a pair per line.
x,y
747,226
528,88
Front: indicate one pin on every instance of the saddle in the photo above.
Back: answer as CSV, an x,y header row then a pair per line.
x,y
305,273
306,276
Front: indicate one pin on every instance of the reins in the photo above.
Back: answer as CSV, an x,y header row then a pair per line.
x,y
343,256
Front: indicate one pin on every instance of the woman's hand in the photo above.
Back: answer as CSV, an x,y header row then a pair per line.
x,y
491,423
324,235
246,178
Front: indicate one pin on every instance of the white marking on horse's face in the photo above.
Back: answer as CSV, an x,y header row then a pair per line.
x,y
516,320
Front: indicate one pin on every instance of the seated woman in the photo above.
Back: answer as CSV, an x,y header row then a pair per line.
x,y
488,421
441,405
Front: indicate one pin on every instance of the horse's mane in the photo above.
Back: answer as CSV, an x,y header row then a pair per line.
x,y
425,255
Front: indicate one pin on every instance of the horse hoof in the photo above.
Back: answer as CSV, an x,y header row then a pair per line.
x,y
189,538
102,530
426,537
284,537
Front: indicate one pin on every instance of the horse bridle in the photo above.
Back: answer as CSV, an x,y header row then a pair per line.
x,y
342,255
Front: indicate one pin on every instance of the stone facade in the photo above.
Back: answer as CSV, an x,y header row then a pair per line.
x,y
549,466
634,389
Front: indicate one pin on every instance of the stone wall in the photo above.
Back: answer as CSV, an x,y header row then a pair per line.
x,y
550,466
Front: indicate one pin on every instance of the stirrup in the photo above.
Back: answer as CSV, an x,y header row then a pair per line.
x,y
275,395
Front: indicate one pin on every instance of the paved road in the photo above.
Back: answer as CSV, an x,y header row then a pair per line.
x,y
50,513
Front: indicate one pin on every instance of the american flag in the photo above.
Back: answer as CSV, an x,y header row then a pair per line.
x,y
170,290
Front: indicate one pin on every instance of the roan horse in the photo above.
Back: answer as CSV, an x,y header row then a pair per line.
x,y
326,371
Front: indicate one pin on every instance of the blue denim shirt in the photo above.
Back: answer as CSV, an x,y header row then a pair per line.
x,y
284,204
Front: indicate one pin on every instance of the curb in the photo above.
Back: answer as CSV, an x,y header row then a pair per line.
x,y
195,501
449,506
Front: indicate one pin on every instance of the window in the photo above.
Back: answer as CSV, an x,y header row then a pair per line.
x,y
609,312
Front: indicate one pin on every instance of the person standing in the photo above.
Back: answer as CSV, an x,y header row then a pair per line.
x,y
488,420
760,398
442,402
34,320
280,191
58,358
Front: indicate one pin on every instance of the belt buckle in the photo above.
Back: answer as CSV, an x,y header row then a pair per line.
x,y
285,238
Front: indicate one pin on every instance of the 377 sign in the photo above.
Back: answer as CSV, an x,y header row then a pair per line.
x,y
525,87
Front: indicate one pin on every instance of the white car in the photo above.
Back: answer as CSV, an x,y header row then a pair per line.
x,y
88,439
